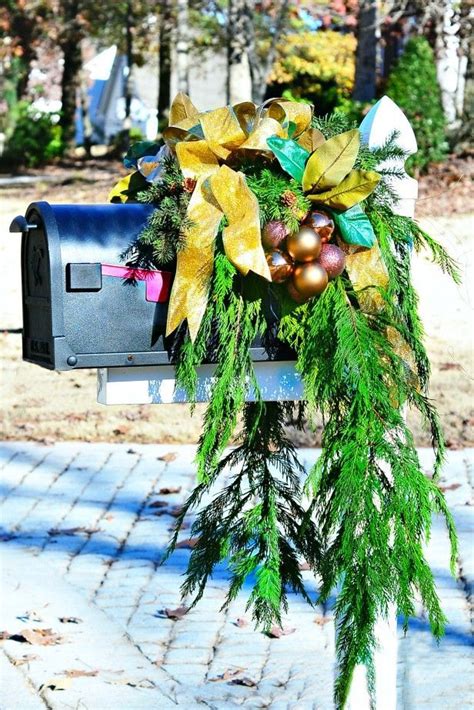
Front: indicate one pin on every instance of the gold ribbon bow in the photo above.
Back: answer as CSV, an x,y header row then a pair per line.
x,y
205,145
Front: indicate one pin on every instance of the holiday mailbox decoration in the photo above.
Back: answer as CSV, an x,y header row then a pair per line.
x,y
279,229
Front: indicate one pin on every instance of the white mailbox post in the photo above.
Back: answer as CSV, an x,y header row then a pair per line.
x,y
280,381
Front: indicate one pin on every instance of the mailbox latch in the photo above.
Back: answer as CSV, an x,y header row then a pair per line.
x,y
84,277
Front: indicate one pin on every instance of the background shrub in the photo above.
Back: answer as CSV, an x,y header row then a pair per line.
x,y
318,66
413,85
35,139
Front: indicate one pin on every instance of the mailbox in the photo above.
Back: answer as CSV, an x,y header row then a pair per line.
x,y
83,307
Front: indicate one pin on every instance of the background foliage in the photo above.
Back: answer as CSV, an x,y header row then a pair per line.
x,y
413,86
316,66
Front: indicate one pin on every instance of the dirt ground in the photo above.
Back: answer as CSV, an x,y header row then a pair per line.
x,y
41,405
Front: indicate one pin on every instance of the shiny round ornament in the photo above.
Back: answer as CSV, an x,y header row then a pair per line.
x,y
281,266
322,223
273,234
332,259
304,245
310,279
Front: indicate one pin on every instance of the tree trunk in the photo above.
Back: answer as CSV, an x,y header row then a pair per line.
x,y
366,56
24,28
182,45
70,44
239,85
164,75
260,67
129,55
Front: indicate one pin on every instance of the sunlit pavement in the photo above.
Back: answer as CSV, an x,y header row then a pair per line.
x,y
84,527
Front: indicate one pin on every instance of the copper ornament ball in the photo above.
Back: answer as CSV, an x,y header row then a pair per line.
x,y
281,266
322,223
273,234
294,294
332,259
310,279
304,245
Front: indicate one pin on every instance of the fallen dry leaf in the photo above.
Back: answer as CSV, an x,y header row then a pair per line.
x,y
188,543
170,456
38,637
450,487
25,659
277,632
76,673
167,490
60,683
304,567
158,504
450,366
248,682
70,620
177,613
322,620
241,622
227,675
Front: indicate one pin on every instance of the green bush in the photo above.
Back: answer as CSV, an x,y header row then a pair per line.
x,y
414,87
35,139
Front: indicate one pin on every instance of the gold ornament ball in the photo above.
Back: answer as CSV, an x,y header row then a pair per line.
x,y
310,279
281,266
322,223
304,245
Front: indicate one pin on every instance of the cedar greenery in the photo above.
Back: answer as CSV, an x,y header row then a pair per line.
x,y
363,513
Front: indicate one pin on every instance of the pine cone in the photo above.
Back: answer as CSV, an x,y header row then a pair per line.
x,y
289,198
189,184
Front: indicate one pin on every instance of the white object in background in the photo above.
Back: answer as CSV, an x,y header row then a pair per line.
x,y
377,126
157,385
382,120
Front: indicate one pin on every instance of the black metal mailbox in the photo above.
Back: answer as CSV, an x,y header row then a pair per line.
x,y
82,306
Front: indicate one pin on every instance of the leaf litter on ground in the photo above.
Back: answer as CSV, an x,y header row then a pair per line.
x,y
175,614
229,674
277,632
167,458
35,637
168,490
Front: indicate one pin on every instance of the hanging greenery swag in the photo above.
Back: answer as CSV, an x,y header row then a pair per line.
x,y
233,190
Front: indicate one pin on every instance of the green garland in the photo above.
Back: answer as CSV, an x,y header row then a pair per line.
x,y
363,513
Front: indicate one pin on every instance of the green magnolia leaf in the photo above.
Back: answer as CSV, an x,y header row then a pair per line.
x,y
291,156
331,162
138,150
355,227
353,189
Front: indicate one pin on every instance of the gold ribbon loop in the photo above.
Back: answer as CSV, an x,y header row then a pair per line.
x,y
203,141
